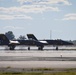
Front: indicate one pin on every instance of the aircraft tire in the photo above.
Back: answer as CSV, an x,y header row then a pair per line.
x,y
28,48
12,47
57,48
40,48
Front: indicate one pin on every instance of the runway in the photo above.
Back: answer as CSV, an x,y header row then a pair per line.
x,y
24,58
38,64
38,59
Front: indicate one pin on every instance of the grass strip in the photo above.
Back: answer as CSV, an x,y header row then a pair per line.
x,y
33,73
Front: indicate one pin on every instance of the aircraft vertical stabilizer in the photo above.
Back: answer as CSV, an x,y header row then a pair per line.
x,y
3,39
31,36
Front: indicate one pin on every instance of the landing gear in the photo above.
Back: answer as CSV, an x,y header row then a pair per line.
x,y
56,47
28,48
40,48
12,47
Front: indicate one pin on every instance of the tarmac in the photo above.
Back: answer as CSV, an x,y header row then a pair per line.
x,y
38,59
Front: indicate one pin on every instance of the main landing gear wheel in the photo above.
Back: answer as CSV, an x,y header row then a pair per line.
x,y
12,47
40,48
28,48
57,48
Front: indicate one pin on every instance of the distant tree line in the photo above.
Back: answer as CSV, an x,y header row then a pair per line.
x,y
10,35
22,37
74,41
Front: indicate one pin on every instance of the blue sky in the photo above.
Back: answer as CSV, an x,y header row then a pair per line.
x,y
55,19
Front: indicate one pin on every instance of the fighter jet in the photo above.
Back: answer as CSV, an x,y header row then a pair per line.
x,y
4,41
49,42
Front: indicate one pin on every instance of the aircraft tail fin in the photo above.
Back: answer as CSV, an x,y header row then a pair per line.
x,y
31,36
3,39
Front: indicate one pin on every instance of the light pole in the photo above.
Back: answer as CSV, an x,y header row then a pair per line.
x,y
50,34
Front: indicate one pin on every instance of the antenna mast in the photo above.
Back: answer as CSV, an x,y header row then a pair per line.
x,y
50,34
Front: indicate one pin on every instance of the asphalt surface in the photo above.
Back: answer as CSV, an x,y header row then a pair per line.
x,y
24,58
38,59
